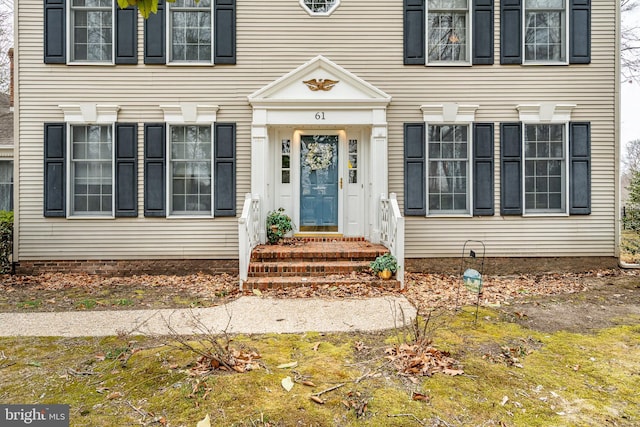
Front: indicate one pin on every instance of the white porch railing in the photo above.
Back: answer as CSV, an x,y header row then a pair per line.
x,y
248,233
392,231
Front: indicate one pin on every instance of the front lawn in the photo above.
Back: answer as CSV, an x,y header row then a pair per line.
x,y
513,376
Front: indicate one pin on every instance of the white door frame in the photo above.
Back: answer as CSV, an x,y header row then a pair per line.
x,y
350,103
296,168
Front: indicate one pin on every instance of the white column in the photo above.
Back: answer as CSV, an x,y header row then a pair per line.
x,y
259,169
379,170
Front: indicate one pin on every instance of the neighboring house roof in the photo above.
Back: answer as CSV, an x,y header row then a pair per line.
x,y
6,121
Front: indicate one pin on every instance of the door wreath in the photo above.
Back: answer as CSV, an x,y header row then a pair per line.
x,y
319,156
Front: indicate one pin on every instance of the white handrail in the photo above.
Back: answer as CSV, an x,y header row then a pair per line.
x,y
248,234
392,231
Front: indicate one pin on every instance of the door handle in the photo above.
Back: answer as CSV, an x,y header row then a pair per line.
x,y
341,183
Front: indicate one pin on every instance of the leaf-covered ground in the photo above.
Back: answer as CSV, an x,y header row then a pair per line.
x,y
616,289
555,349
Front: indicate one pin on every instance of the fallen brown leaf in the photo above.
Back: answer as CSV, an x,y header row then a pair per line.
x,y
421,397
114,395
317,399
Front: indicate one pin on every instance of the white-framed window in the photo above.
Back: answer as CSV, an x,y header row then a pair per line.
x,y
6,185
190,170
285,161
319,7
91,170
448,169
190,31
91,30
545,168
353,161
448,31
545,31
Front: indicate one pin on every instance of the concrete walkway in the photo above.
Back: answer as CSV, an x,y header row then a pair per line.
x,y
245,315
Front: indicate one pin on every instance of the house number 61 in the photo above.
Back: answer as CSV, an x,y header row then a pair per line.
x,y
320,115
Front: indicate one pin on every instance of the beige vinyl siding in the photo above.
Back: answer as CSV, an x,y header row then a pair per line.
x,y
363,36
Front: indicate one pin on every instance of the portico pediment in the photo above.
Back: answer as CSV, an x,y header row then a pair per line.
x,y
319,82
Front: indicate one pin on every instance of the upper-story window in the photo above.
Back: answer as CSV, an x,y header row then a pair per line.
x,y
190,31
448,30
92,30
545,31
319,7
100,32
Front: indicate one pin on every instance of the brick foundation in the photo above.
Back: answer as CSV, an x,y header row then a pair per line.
x,y
498,266
510,266
129,267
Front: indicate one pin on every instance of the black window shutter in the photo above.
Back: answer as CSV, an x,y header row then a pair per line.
x,y
482,50
154,36
55,30
126,169
415,195
55,148
511,168
580,32
579,168
224,158
126,35
414,32
154,169
225,32
483,145
511,32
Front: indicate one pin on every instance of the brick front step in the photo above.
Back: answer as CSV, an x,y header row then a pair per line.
x,y
264,283
306,268
317,251
315,262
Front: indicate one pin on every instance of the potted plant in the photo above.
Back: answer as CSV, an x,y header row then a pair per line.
x,y
385,265
278,225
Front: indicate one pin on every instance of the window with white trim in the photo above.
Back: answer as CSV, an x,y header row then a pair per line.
x,y
448,31
286,161
91,170
190,170
448,186
6,185
92,30
319,7
545,168
353,161
545,31
190,31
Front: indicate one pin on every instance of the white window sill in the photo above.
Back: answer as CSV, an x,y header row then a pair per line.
x,y
186,216
544,63
449,215
190,64
92,63
545,214
90,217
449,64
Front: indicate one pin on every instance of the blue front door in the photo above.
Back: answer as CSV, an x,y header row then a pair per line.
x,y
319,183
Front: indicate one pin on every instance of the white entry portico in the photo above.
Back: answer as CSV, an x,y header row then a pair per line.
x,y
321,107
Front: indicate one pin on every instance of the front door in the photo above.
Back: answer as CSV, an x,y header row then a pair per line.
x,y
319,183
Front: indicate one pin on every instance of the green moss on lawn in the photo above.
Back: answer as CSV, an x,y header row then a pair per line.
x,y
565,379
